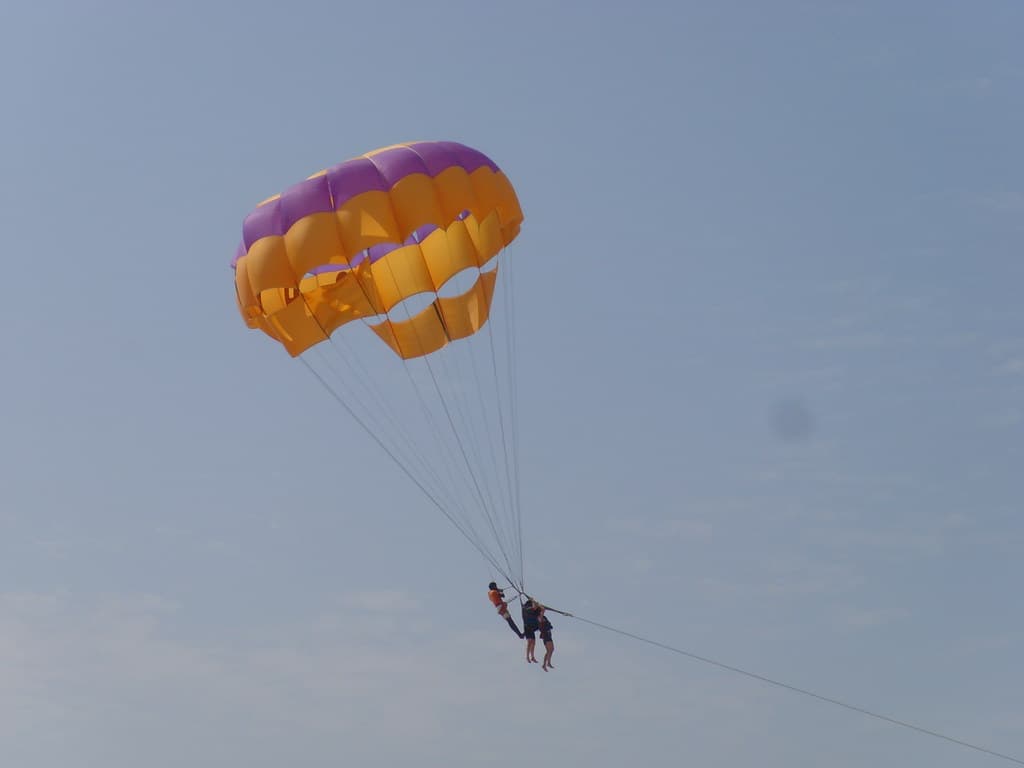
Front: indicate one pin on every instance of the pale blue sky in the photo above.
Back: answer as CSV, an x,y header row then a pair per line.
x,y
734,212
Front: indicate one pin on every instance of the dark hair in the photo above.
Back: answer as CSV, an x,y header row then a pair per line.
x,y
492,585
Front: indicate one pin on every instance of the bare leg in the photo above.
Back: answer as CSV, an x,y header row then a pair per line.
x,y
529,650
549,646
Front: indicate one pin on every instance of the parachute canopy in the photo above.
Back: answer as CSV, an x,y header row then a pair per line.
x,y
357,239
407,240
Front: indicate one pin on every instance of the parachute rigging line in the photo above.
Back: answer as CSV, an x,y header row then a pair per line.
x,y
513,492
438,495
510,351
483,552
470,535
394,452
363,377
802,691
482,490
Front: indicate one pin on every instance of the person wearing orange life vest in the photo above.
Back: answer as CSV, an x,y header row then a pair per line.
x,y
497,597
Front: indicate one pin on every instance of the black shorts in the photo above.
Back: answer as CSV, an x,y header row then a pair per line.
x,y
530,634
545,636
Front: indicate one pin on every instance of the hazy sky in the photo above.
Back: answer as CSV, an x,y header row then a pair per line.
x,y
771,358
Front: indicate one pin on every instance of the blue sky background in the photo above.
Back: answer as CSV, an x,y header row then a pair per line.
x,y
771,388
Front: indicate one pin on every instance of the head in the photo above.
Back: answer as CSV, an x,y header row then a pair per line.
x,y
492,585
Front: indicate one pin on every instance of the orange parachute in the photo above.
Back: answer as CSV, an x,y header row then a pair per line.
x,y
358,239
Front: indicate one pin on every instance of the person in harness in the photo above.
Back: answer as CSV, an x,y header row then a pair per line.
x,y
531,623
497,597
